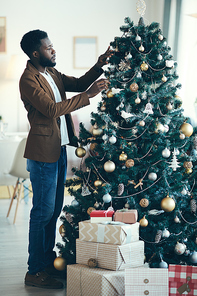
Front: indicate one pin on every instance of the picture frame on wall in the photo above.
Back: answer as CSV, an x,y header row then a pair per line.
x,y
85,51
2,35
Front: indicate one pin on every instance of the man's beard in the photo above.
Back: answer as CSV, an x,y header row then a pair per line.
x,y
44,62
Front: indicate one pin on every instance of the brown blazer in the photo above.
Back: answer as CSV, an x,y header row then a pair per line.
x,y
44,140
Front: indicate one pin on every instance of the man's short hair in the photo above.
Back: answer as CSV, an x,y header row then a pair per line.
x,y
31,41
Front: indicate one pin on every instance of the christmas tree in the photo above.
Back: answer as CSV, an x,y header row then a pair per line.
x,y
140,153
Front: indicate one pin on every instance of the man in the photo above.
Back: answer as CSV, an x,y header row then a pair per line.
x,y
42,90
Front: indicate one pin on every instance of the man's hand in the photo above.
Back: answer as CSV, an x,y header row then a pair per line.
x,y
102,60
97,87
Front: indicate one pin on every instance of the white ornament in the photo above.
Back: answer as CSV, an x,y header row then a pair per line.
x,y
105,137
166,153
144,95
166,128
107,198
160,37
148,108
184,191
138,38
174,164
124,65
165,233
169,63
126,114
152,176
177,220
112,139
180,248
159,57
139,75
129,56
74,203
85,190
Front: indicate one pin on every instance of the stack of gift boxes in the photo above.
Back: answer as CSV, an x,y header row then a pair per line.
x,y
110,261
110,242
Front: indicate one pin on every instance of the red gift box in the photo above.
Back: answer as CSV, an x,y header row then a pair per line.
x,y
182,280
102,213
100,216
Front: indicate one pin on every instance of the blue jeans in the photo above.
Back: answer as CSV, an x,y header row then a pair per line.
x,y
47,181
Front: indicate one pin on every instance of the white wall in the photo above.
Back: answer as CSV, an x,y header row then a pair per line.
x,y
62,19
187,62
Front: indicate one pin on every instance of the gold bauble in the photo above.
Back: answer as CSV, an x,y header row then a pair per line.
x,y
144,202
164,78
62,230
186,129
187,165
143,222
80,152
138,100
103,108
127,205
134,87
97,132
182,136
160,128
142,123
123,156
98,183
59,263
144,66
109,166
168,204
188,171
129,163
110,94
141,48
169,106
96,205
90,209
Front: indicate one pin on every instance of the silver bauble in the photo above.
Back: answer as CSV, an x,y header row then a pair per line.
x,y
193,257
163,264
152,176
166,153
107,198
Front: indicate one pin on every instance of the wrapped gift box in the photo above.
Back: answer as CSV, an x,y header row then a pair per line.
x,y
126,216
182,280
85,281
116,233
146,281
101,216
113,257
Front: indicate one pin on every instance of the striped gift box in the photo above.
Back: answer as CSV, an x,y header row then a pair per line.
x,y
146,281
182,280
85,281
113,257
115,233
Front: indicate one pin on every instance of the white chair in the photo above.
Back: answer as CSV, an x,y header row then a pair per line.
x,y
18,170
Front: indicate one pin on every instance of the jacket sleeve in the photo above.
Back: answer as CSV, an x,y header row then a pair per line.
x,y
80,84
33,94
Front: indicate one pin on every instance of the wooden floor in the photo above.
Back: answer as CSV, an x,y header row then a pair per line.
x,y
13,252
